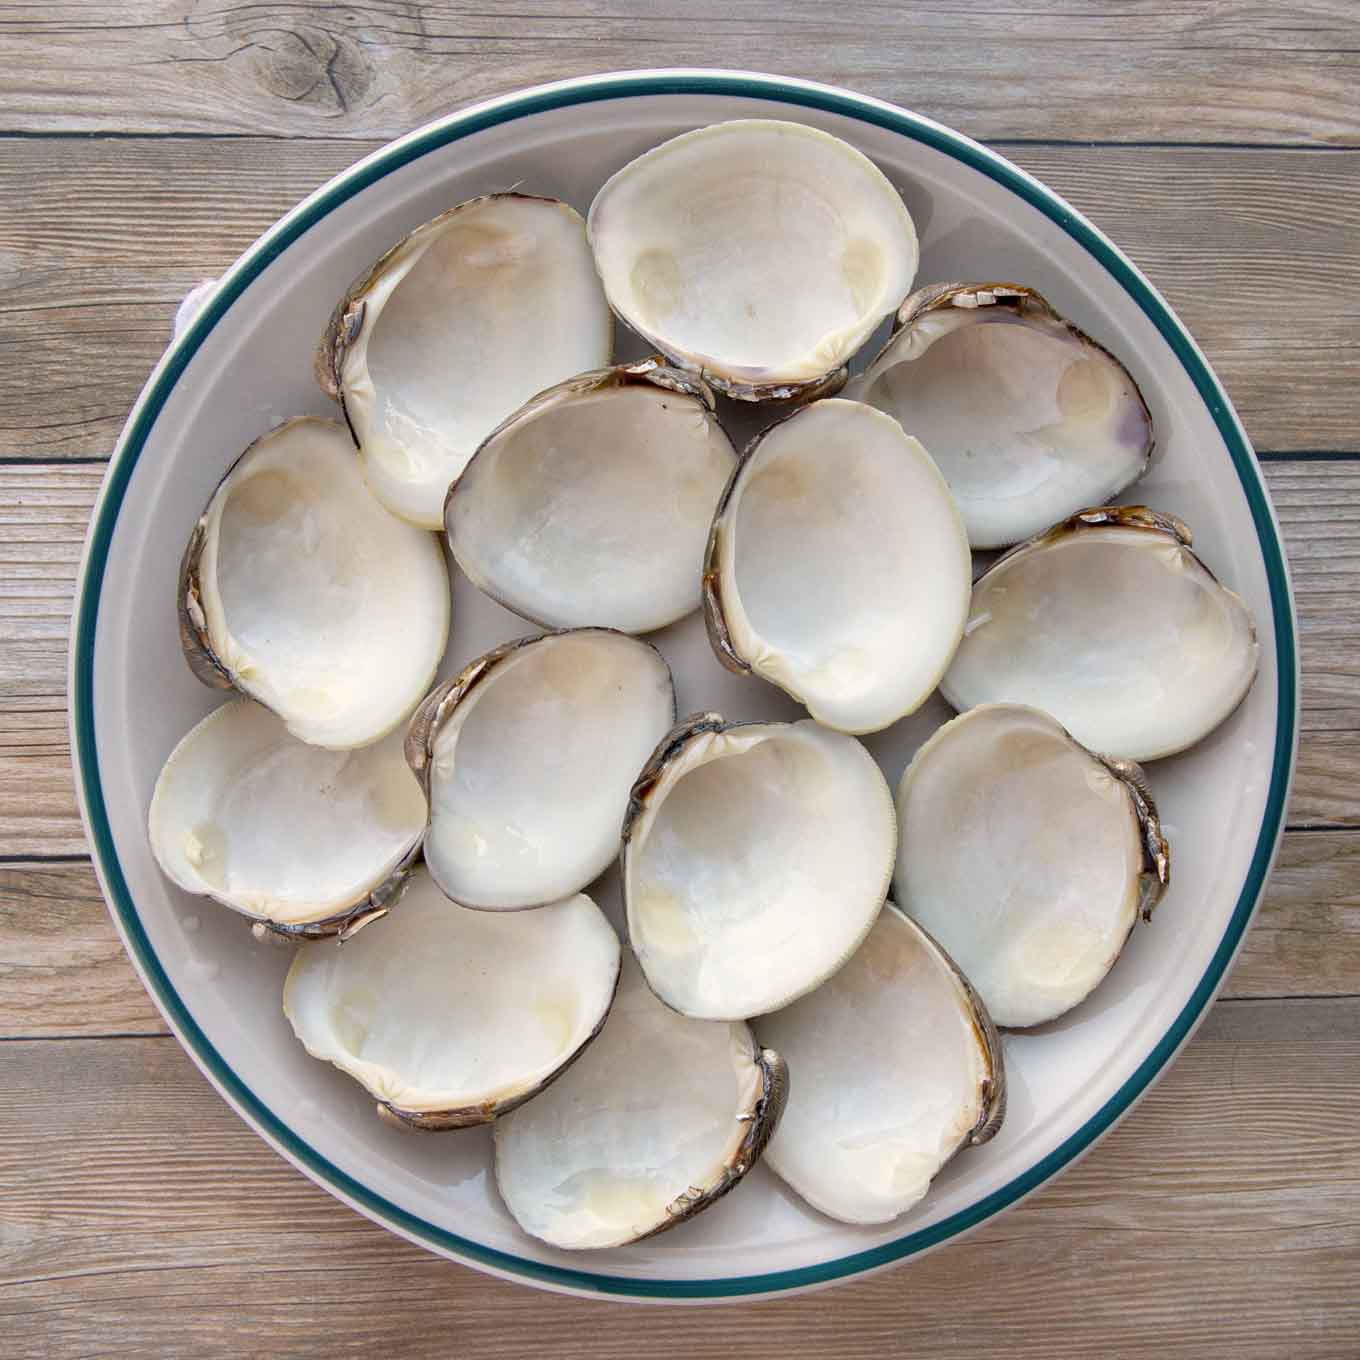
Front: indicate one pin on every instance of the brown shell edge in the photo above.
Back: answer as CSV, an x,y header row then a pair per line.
x,y
715,620
1103,517
761,1121
684,731
202,660
433,710
470,1116
347,317
799,393
344,925
1156,872
193,626
710,587
989,1039
735,389
993,1111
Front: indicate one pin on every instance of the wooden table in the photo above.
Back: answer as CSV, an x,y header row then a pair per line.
x,y
144,144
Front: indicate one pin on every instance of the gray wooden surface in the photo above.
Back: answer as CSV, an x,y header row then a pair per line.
x,y
144,144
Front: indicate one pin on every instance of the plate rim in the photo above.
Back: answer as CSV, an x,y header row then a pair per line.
x,y
433,136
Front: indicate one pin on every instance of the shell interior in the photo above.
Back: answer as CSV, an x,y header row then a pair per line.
x,y
761,253
838,566
285,832
592,506
1027,418
1023,855
648,1126
460,324
310,597
529,765
1115,628
895,1069
757,857
440,1009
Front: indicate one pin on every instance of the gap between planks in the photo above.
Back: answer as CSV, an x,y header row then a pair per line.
x,y
1141,70
326,137
1219,1219
1249,247
44,508
63,972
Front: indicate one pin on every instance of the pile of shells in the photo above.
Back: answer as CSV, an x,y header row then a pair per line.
x,y
769,1000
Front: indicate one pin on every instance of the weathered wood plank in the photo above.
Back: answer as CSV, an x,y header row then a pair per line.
x,y
43,514
63,973
44,507
1141,70
1228,1205
1305,940
101,239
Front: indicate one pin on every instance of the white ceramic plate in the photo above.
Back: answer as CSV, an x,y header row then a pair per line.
x,y
245,363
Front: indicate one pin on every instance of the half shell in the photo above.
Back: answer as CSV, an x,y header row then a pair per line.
x,y
661,1118
1027,857
452,330
1028,418
452,1017
298,589
756,857
761,254
1110,623
838,567
898,1068
591,505
306,840
527,757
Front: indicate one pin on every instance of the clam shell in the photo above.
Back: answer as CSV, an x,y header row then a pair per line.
x,y
899,1067
451,1017
760,254
1111,623
451,331
661,1118
1028,418
1028,857
298,589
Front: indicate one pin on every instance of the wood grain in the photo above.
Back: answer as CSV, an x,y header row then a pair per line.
x,y
1201,70
43,513
44,508
138,1216
63,973
100,240
177,1231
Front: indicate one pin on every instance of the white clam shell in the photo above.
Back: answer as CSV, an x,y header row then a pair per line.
x,y
452,330
759,253
661,1117
527,758
1027,417
451,1017
896,1068
838,567
285,833
592,504
756,858
1114,626
1027,857
301,591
